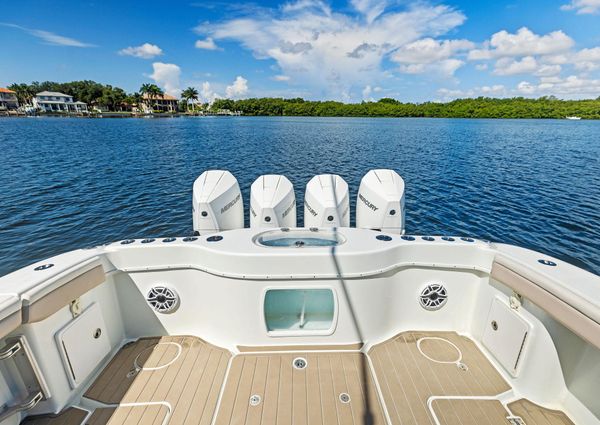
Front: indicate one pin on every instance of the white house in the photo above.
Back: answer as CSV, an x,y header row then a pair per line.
x,y
57,102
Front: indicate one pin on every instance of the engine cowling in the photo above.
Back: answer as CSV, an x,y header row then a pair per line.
x,y
217,202
326,202
272,202
380,202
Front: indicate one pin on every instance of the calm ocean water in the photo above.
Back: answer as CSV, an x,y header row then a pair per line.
x,y
71,183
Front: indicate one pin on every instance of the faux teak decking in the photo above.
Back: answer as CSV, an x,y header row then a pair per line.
x,y
424,378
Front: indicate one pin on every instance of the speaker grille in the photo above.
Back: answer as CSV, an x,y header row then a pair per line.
x,y
433,296
162,299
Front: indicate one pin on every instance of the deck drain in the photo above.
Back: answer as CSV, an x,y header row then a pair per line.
x,y
462,366
300,363
254,400
132,373
345,398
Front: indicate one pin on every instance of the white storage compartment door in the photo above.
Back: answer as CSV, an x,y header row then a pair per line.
x,y
505,335
83,344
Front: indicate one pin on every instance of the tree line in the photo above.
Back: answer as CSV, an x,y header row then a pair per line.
x,y
115,98
96,94
481,107
87,91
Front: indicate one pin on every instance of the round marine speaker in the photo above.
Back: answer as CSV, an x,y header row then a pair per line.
x,y
433,297
162,299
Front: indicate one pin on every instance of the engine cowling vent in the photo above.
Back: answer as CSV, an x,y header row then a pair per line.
x,y
162,299
433,297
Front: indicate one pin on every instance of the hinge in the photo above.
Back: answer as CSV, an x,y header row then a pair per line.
x,y
75,307
516,300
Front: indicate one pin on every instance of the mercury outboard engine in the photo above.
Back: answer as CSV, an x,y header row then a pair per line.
x,y
380,202
217,202
272,202
326,202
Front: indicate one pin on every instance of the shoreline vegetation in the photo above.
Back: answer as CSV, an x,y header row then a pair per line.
x,y
115,102
481,107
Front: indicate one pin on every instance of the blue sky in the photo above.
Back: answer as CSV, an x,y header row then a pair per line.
x,y
344,50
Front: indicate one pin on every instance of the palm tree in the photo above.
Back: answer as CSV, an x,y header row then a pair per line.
x,y
23,92
190,94
155,92
152,91
137,98
145,91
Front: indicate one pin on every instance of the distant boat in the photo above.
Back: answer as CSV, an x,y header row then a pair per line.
x,y
573,118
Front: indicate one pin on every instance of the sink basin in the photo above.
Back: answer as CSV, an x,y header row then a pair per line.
x,y
299,238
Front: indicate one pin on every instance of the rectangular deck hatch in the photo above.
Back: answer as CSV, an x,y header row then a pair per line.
x,y
505,335
83,344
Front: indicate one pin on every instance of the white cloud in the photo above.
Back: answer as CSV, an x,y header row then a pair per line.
x,y
587,59
429,55
555,59
449,66
525,52
481,66
237,89
526,65
281,78
207,94
523,43
547,70
368,91
583,6
508,66
480,54
166,75
371,9
525,87
207,44
145,51
333,53
428,50
497,90
572,86
50,37
299,5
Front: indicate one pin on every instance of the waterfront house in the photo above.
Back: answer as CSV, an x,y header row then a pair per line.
x,y
8,99
49,101
164,103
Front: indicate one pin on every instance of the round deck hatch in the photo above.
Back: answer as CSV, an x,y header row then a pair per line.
x,y
439,350
158,356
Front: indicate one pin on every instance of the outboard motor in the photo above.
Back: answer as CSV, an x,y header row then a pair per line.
x,y
272,202
326,202
380,202
217,202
